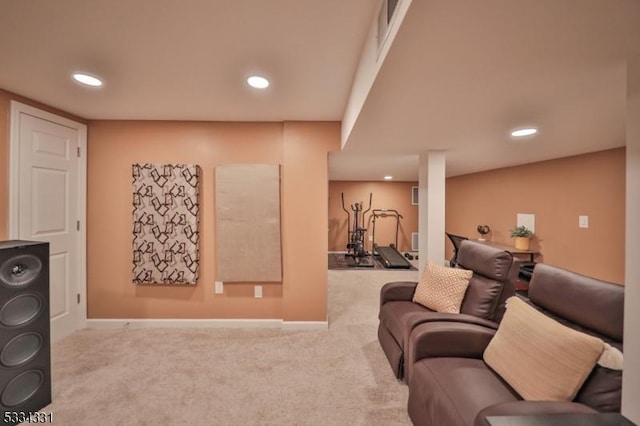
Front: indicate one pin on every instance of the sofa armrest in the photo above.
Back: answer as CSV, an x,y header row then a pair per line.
x,y
397,291
455,339
523,408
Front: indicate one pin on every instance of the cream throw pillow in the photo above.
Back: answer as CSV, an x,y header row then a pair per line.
x,y
611,358
540,358
441,288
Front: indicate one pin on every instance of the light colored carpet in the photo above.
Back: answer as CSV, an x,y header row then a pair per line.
x,y
214,376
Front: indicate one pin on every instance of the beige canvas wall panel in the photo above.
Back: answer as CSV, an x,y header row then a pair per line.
x,y
248,242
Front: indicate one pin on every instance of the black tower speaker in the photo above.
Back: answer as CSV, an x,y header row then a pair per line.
x,y
25,347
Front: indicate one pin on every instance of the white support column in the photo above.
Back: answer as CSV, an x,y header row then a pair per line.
x,y
631,373
431,192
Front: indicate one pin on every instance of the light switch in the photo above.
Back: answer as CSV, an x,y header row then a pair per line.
x,y
257,291
583,221
218,288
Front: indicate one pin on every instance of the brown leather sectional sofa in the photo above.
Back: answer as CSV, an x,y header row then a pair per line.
x,y
493,281
450,383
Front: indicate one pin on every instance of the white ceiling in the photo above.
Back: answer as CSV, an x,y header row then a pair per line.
x,y
185,59
459,75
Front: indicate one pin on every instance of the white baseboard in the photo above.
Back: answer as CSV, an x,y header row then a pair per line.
x,y
305,325
207,323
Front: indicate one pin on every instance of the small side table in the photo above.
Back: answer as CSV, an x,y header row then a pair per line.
x,y
597,419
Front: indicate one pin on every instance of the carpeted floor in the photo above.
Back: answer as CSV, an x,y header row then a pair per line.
x,y
338,261
236,376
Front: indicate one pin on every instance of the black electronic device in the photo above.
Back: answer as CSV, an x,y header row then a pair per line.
x,y
25,336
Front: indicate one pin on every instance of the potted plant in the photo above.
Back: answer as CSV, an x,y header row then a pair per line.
x,y
522,235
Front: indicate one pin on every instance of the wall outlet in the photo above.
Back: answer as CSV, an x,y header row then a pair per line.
x,y
218,288
583,221
257,291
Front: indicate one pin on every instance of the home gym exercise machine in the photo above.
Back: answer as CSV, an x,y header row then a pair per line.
x,y
390,256
355,235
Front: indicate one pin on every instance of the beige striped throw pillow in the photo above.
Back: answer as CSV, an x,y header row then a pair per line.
x,y
540,358
441,288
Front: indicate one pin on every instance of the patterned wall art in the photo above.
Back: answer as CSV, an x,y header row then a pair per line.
x,y
165,223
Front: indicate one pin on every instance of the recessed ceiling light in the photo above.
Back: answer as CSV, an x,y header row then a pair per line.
x,y
388,177
258,82
524,132
87,79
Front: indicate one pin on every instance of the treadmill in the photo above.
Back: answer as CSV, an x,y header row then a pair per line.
x,y
389,255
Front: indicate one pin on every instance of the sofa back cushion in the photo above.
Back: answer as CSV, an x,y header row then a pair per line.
x,y
492,281
590,305
584,301
602,390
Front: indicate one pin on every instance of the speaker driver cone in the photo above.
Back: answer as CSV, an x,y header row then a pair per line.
x,y
21,388
21,309
19,271
21,349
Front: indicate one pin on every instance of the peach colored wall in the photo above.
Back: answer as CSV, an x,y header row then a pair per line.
x,y
5,110
386,195
557,192
304,202
115,145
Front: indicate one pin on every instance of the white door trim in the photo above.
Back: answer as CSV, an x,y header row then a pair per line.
x,y
16,109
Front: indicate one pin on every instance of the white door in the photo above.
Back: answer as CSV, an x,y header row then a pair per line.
x,y
47,201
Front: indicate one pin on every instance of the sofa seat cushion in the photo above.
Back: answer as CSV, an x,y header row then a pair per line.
x,y
452,391
400,318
